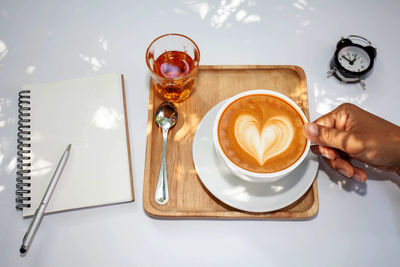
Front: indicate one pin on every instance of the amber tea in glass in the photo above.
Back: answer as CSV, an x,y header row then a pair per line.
x,y
173,60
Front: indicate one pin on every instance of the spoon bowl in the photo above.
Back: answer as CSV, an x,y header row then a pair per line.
x,y
166,115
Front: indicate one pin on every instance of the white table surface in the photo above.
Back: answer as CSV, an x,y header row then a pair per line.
x,y
43,41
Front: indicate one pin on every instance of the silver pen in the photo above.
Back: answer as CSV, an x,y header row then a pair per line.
x,y
37,218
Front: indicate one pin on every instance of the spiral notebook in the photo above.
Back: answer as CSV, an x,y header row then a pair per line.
x,y
88,113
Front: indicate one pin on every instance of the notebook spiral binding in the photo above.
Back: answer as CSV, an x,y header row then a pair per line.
x,y
23,150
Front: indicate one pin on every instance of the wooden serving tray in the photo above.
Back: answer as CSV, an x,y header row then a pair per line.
x,y
188,196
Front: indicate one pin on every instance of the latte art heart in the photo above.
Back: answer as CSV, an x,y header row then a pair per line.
x,y
263,143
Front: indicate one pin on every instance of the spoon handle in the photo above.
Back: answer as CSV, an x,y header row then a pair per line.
x,y
161,195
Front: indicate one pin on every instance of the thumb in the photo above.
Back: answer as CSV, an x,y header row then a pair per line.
x,y
325,136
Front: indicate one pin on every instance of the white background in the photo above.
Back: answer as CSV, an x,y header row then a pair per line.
x,y
43,41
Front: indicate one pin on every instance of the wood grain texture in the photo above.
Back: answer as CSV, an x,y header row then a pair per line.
x,y
188,196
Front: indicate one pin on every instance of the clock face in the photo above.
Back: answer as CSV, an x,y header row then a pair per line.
x,y
354,58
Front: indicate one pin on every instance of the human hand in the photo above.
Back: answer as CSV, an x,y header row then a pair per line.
x,y
349,132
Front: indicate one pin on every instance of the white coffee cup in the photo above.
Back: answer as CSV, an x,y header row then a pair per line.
x,y
246,174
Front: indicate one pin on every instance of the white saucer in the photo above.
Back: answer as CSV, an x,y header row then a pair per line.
x,y
237,193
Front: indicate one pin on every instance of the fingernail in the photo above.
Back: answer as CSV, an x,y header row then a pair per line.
x,y
327,156
358,178
312,129
344,172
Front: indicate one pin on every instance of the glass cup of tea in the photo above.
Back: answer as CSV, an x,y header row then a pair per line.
x,y
173,60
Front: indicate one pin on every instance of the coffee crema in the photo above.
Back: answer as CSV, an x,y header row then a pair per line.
x,y
261,133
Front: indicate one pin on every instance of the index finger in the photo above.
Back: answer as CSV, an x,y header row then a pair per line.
x,y
327,120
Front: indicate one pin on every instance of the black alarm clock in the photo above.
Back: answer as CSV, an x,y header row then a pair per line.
x,y
353,60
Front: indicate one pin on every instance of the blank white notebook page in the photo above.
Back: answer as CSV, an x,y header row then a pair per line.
x,y
89,114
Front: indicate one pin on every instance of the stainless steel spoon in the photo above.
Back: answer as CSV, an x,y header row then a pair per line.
x,y
165,117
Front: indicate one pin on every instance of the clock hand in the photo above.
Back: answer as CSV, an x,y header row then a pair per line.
x,y
346,58
354,59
